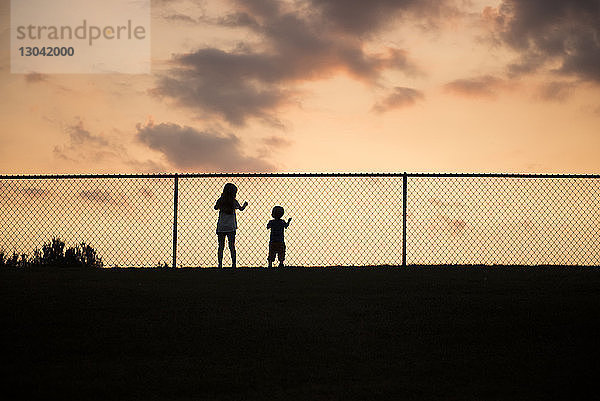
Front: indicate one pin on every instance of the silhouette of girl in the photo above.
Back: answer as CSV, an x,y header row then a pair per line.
x,y
227,223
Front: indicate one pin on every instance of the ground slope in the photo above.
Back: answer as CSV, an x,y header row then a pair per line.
x,y
297,334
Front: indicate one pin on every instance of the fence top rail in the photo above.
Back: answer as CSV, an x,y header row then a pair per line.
x,y
292,175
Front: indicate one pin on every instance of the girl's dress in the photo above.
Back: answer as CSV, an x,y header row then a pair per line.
x,y
227,221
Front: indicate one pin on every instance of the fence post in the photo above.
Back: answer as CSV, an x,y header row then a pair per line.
x,y
404,186
175,204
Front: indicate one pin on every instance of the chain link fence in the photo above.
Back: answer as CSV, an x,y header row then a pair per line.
x,y
503,220
337,219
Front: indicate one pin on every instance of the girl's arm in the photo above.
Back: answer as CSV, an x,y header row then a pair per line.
x,y
243,206
217,204
288,222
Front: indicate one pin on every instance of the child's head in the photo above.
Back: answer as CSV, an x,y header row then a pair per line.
x,y
277,212
229,190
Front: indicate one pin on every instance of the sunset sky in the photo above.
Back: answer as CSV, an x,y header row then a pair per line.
x,y
324,85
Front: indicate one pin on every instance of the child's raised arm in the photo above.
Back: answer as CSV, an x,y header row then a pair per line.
x,y
243,206
288,223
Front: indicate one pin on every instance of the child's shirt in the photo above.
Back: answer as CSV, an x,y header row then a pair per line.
x,y
277,227
227,221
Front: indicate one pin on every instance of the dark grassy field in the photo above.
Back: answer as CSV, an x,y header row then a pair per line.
x,y
301,334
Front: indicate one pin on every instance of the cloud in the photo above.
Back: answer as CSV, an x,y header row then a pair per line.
x,y
272,144
102,197
145,166
276,142
483,86
400,98
563,35
188,148
297,45
360,17
12,190
556,90
180,18
34,77
236,19
83,145
219,82
80,136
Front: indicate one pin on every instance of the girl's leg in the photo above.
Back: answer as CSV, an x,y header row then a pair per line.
x,y
231,240
221,237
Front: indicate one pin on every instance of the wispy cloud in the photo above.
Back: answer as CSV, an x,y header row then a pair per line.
x,y
83,145
86,148
556,90
180,18
400,98
15,191
276,142
272,144
482,86
102,196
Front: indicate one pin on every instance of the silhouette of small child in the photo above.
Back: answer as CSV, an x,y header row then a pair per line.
x,y
277,243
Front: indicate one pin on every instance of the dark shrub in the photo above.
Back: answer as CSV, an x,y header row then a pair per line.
x,y
53,254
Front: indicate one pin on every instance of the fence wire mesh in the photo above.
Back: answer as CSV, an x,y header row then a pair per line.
x,y
503,220
128,221
337,219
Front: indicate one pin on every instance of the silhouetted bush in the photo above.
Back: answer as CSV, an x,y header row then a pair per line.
x,y
162,265
53,254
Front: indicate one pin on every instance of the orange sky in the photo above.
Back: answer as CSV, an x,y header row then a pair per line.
x,y
324,85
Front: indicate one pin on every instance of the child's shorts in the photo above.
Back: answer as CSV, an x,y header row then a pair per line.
x,y
276,248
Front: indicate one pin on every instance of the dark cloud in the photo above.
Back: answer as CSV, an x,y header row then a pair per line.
x,y
399,98
232,85
298,44
551,32
362,17
188,148
484,86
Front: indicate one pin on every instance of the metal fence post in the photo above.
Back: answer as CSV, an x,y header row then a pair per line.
x,y
404,186
175,204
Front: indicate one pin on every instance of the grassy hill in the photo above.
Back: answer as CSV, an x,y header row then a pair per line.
x,y
301,334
